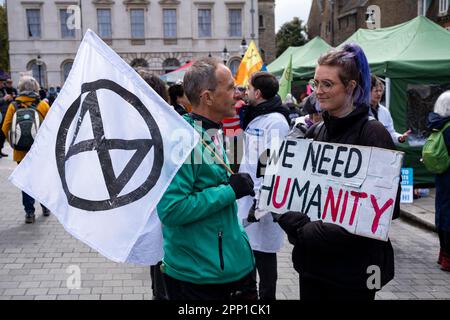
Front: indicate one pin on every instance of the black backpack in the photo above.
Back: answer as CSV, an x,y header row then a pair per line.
x,y
24,126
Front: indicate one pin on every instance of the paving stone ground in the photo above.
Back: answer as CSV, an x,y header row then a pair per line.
x,y
35,261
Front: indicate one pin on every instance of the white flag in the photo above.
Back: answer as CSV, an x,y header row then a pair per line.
x,y
105,154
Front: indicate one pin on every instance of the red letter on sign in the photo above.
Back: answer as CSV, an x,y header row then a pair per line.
x,y
275,192
344,207
378,212
334,205
357,195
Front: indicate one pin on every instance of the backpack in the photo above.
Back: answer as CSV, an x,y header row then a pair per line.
x,y
24,126
434,153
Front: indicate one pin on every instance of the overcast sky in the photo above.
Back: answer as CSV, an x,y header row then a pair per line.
x,y
285,10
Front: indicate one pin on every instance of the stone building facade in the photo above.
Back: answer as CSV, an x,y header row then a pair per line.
x,y
159,34
266,29
336,20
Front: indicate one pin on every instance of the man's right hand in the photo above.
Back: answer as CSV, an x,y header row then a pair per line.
x,y
242,185
8,97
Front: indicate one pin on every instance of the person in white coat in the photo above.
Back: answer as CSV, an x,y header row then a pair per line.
x,y
381,113
265,122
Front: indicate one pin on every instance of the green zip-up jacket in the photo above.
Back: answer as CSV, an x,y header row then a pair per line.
x,y
204,242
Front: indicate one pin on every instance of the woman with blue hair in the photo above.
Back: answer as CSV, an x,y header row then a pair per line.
x,y
334,264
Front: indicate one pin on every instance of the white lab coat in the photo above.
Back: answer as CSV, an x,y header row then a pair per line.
x,y
261,133
384,116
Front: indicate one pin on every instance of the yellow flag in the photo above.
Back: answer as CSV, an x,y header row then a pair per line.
x,y
250,64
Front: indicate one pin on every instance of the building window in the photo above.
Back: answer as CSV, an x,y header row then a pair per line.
x,y
204,23
34,23
443,7
137,23
170,64
66,67
234,66
261,21
170,23
343,23
38,71
235,16
139,63
104,23
353,21
65,32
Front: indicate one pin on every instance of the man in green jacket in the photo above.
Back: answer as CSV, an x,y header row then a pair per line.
x,y
207,253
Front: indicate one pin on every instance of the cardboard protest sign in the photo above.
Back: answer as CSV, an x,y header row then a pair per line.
x,y
352,186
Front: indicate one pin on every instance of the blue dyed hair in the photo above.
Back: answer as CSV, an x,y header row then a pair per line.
x,y
354,66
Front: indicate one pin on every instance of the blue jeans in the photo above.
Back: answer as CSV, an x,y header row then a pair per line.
x,y
28,203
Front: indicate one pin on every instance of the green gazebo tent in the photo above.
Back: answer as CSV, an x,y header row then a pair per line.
x,y
304,59
414,57
277,66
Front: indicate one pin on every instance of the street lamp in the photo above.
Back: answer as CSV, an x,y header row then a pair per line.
x,y
243,47
225,55
39,63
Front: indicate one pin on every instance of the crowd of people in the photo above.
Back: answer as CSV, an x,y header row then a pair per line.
x,y
8,94
214,243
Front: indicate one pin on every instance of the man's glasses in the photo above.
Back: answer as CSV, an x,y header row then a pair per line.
x,y
325,85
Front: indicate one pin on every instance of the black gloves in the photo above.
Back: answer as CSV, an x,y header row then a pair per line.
x,y
298,131
291,221
276,216
242,185
251,213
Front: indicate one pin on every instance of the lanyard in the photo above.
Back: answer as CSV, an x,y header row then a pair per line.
x,y
218,157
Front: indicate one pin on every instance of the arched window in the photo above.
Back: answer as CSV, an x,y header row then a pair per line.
x,y
39,71
170,64
234,66
65,69
139,62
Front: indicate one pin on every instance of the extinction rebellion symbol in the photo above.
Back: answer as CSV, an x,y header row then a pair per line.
x,y
102,146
